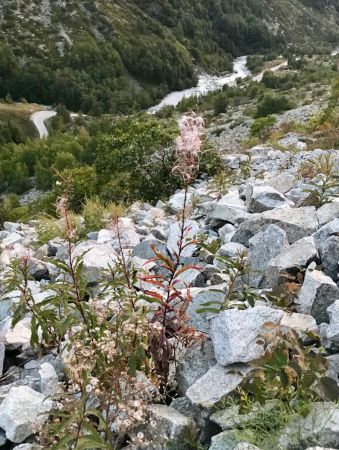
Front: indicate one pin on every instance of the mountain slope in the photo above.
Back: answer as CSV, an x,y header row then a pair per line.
x,y
120,56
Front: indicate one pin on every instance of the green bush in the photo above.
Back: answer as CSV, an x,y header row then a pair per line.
x,y
261,127
273,104
135,162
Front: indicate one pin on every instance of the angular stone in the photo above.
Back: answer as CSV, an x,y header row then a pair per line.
x,y
48,380
12,226
200,321
296,222
329,253
328,212
235,332
226,214
326,231
263,247
319,427
145,251
97,259
14,338
21,411
301,323
129,238
232,418
196,361
176,202
231,249
283,182
330,333
217,383
264,198
172,428
190,278
227,440
318,292
294,258
191,230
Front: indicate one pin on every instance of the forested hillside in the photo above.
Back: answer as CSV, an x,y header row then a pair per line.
x,y
121,56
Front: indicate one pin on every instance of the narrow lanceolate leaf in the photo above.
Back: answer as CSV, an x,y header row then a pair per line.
x,y
208,310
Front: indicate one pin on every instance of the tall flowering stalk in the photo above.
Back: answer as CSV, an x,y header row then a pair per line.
x,y
189,145
169,321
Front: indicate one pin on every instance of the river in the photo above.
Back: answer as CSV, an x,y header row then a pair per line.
x,y
206,84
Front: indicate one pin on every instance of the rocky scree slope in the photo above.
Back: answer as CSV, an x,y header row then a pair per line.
x,y
262,214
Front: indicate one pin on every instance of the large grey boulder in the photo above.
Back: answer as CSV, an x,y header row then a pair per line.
x,y
318,292
296,222
320,427
329,253
196,361
217,383
264,198
235,332
263,247
191,230
22,411
291,260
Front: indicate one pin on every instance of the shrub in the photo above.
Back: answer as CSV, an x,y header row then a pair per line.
x,y
135,162
262,126
273,104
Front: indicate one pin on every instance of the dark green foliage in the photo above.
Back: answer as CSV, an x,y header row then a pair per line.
x,y
261,127
273,104
135,162
255,63
220,104
129,160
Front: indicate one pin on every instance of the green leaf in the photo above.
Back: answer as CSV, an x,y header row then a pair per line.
x,y
34,332
62,444
284,378
279,360
209,310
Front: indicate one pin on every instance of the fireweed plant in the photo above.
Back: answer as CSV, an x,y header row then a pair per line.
x,y
116,342
168,327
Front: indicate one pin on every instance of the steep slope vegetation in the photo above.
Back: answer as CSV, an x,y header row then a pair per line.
x,y
120,56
